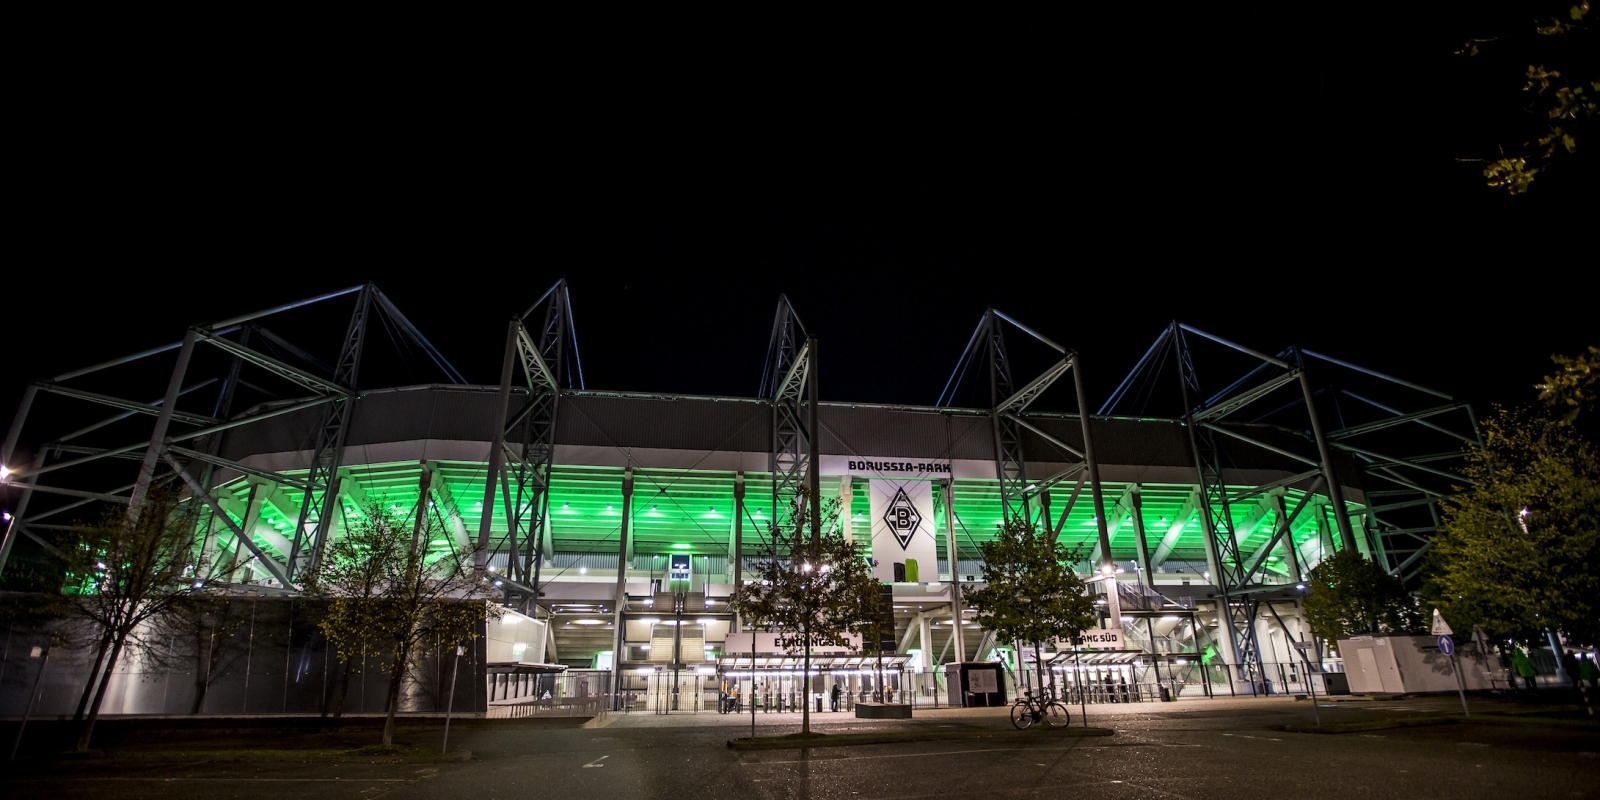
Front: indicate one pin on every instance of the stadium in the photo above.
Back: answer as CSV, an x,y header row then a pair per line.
x,y
618,523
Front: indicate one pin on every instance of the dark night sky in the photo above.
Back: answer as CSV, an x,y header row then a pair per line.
x,y
1275,180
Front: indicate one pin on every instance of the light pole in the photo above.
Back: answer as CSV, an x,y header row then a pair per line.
x,y
33,697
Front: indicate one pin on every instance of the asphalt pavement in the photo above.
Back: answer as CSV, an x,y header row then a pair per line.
x,y
1190,749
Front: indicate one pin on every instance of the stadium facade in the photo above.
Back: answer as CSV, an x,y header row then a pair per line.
x,y
617,523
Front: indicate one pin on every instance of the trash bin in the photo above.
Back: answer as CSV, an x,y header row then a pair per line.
x,y
819,704
1166,694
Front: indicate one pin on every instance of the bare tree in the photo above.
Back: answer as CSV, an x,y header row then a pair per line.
x,y
397,596
127,571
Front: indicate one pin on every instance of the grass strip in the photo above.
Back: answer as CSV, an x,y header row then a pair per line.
x,y
375,754
897,737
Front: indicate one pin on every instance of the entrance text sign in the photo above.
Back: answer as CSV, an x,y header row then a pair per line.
x,y
1094,639
739,644
904,549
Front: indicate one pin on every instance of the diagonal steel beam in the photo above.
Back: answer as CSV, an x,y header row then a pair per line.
x,y
151,409
267,563
290,373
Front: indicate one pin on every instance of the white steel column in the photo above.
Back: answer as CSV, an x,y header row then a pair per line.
x,y
952,553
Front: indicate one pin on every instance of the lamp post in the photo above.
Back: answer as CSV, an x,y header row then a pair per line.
x,y
33,697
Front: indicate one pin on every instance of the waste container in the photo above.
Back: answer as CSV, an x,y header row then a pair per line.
x,y
819,704
1166,694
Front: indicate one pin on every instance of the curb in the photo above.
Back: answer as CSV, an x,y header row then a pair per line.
x,y
849,739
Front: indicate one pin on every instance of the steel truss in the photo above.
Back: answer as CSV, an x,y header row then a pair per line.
x,y
523,452
185,444
1021,498
1214,429
789,383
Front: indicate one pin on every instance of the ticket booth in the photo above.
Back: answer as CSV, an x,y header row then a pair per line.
x,y
972,684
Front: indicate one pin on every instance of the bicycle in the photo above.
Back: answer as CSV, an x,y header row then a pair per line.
x,y
1027,710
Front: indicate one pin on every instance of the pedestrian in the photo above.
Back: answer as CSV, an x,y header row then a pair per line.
x,y
1569,664
1524,669
1111,689
835,695
1122,682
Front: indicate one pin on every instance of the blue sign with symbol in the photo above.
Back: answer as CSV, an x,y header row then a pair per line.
x,y
1447,645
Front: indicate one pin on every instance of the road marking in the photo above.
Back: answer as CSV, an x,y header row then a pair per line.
x,y
596,762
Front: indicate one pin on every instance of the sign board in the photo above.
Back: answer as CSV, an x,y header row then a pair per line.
x,y
1094,639
1440,627
1447,645
738,644
983,680
886,467
904,549
1306,646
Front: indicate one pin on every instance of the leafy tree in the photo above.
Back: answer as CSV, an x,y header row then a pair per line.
x,y
396,598
1561,101
127,572
1348,595
1519,550
1031,593
1572,387
814,589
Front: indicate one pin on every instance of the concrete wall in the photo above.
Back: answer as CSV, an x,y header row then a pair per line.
x,y
269,659
1412,664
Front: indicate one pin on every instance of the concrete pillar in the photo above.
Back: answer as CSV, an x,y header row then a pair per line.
x,y
953,552
1146,574
1224,634
620,598
925,640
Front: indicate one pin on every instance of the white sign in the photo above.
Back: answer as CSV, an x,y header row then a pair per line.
x,y
789,644
1440,627
904,549
1094,639
887,466
983,680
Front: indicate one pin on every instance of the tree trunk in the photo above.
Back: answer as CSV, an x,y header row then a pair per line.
x,y
805,681
88,685
396,675
205,662
1038,663
100,696
344,690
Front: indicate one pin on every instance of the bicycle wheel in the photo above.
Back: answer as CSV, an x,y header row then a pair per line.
x,y
1056,715
1021,715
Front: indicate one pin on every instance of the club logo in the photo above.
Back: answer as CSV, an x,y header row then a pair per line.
x,y
902,518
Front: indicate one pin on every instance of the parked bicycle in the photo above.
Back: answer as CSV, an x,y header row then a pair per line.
x,y
1045,708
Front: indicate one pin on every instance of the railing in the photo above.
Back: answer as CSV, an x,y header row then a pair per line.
x,y
553,707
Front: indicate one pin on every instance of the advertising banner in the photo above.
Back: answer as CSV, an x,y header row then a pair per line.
x,y
904,548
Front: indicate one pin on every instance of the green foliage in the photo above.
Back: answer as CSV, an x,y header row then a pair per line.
x,y
1565,103
391,602
1350,595
816,588
1032,595
1519,550
1572,388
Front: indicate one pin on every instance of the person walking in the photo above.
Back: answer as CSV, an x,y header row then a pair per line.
x,y
1524,669
835,695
